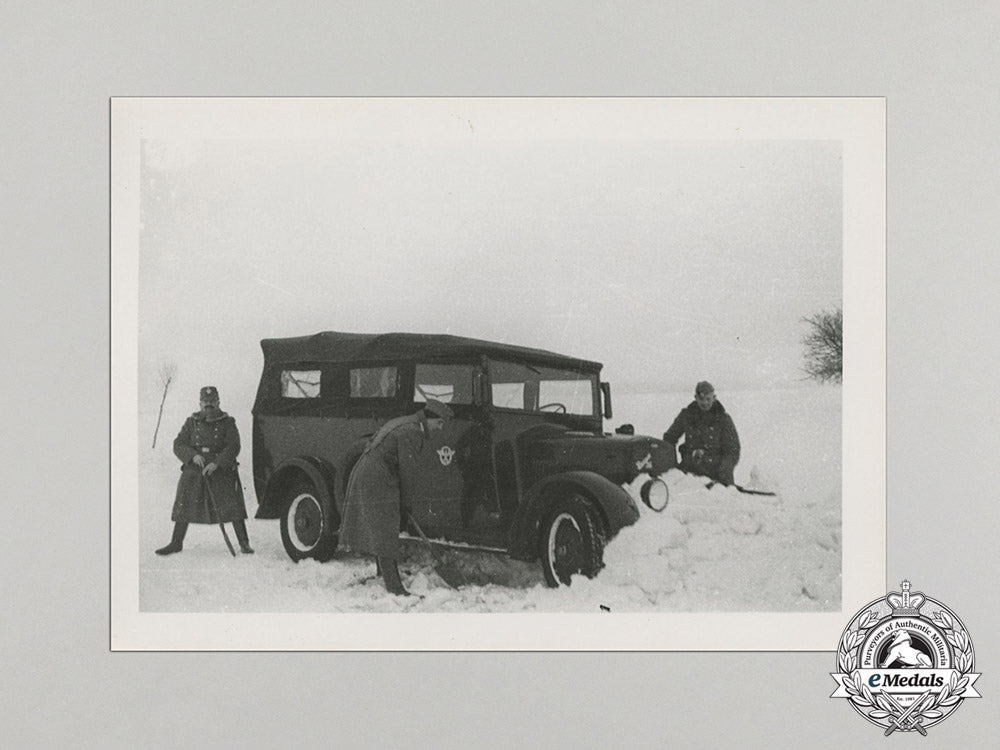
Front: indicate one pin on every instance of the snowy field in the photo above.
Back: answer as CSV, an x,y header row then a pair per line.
x,y
710,551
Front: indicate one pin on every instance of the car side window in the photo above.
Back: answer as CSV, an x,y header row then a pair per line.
x,y
513,386
374,382
450,384
300,383
508,395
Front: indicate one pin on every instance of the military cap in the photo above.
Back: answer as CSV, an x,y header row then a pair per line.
x,y
435,409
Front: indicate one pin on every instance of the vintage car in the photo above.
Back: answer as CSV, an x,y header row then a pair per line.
x,y
524,467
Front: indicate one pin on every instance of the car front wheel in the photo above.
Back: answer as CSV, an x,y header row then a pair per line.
x,y
570,541
306,530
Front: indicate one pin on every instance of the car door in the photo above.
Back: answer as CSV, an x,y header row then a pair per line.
x,y
451,479
529,402
513,392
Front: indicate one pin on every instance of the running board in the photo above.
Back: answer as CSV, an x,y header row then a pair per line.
x,y
454,545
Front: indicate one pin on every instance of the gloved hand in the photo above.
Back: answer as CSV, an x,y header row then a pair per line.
x,y
211,467
198,460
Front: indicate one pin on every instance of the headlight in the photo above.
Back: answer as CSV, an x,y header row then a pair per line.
x,y
655,494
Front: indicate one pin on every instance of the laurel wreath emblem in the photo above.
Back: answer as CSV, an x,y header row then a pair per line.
x,y
881,708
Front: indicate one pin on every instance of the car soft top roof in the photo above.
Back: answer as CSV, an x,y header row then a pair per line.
x,y
333,346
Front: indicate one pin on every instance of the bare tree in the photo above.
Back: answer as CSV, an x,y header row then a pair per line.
x,y
167,373
824,343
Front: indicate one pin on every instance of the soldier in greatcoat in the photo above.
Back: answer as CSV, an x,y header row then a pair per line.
x,y
711,446
209,489
375,494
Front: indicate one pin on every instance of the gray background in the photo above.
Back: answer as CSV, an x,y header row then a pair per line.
x,y
937,66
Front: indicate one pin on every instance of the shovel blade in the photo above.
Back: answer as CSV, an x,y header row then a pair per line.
x,y
447,568
450,574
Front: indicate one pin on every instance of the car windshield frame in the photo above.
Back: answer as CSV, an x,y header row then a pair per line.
x,y
537,382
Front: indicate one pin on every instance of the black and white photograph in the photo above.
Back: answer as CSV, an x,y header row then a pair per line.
x,y
510,356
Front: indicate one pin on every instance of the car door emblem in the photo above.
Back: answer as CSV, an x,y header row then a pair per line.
x,y
445,454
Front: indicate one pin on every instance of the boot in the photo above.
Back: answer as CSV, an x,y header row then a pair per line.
x,y
176,541
390,575
242,537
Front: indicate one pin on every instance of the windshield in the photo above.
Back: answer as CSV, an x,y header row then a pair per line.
x,y
542,389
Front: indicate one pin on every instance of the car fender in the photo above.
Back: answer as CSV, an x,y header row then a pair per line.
x,y
319,472
615,507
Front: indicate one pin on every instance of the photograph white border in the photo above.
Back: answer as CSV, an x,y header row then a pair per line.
x,y
859,123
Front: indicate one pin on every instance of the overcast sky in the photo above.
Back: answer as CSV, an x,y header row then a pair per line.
x,y
670,260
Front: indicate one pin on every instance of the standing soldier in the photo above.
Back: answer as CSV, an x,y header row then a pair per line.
x,y
711,447
209,490
375,495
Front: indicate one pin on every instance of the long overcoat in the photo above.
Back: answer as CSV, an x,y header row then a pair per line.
x,y
714,434
215,438
375,492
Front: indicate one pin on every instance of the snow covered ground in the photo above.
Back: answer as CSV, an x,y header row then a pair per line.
x,y
711,550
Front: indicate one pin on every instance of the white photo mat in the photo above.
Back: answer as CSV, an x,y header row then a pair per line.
x,y
859,124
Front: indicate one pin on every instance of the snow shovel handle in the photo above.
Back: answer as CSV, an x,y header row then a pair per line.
x,y
747,491
430,545
215,513
744,490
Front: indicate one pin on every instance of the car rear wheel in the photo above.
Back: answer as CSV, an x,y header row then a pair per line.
x,y
570,541
306,530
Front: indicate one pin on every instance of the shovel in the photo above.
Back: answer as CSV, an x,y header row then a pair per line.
x,y
448,571
745,490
